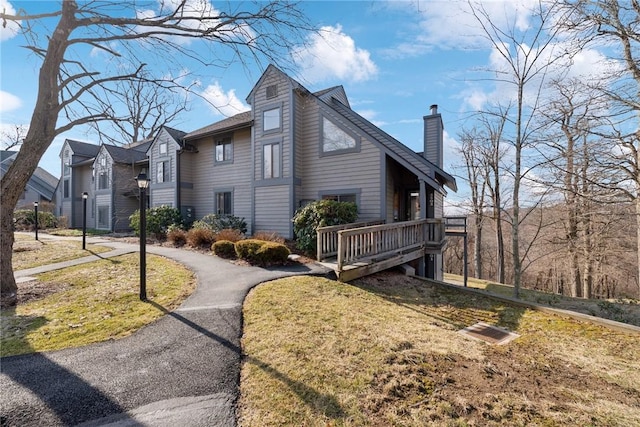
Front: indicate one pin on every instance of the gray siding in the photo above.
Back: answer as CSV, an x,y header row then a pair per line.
x,y
163,193
433,150
272,212
209,177
103,200
360,170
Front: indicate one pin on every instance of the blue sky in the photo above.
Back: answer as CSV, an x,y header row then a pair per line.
x,y
394,59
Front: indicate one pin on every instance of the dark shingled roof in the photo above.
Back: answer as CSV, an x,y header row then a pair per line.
x,y
41,181
125,155
231,123
175,134
83,149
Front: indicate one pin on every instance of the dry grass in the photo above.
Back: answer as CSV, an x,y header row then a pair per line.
x,y
29,253
626,311
93,302
386,351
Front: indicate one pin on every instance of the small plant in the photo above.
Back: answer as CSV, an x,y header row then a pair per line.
x,y
176,235
25,219
159,219
224,249
272,253
230,235
268,236
217,223
200,238
247,249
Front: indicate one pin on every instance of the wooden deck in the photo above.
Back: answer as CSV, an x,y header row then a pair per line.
x,y
359,249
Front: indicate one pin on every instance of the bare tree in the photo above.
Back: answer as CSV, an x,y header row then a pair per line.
x,y
71,93
148,107
527,57
12,138
471,152
615,25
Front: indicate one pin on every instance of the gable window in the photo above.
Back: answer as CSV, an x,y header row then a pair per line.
x,y
103,161
336,139
66,164
65,189
163,172
271,119
103,180
271,161
163,148
224,203
103,217
224,151
272,91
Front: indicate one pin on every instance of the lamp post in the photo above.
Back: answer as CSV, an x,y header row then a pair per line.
x,y
85,195
35,208
143,184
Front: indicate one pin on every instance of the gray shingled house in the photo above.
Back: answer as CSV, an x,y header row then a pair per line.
x,y
296,146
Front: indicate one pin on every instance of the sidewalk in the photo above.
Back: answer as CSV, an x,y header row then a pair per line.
x,y
183,369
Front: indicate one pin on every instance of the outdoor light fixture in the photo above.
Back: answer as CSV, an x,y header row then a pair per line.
x,y
35,208
143,184
85,196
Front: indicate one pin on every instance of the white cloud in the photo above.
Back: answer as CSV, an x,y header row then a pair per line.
x,y
9,102
12,28
221,102
333,54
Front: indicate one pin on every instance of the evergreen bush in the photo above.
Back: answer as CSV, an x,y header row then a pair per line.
x,y
25,219
224,249
321,213
217,223
159,219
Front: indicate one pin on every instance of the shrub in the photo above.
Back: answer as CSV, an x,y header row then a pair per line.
x,y
230,235
25,219
200,237
159,219
217,223
317,214
176,235
268,236
224,249
247,249
271,253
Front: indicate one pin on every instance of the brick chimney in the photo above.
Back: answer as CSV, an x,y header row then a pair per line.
x,y
433,137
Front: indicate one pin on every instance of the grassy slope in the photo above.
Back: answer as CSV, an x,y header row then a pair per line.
x,y
319,353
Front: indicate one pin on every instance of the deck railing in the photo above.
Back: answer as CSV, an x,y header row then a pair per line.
x,y
328,237
378,241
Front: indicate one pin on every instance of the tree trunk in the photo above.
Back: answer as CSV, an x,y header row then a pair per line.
x,y
42,131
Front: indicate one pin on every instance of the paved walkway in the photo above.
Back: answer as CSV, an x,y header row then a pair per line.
x,y
181,370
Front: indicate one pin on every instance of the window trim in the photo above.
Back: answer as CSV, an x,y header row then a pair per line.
x,y
262,157
165,145
165,171
66,188
342,192
223,141
356,138
218,191
277,106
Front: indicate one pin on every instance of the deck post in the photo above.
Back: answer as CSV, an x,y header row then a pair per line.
x,y
422,261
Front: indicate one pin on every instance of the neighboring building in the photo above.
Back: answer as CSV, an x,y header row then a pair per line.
x,y
41,187
115,195
106,173
77,177
293,147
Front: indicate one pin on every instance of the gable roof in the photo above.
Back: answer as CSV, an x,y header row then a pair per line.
x,y
41,181
239,121
82,149
426,170
125,155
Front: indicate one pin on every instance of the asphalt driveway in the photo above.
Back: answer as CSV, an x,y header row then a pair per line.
x,y
183,369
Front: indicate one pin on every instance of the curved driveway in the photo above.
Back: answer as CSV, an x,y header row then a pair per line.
x,y
181,370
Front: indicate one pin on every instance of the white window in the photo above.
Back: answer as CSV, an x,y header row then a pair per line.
x,y
336,139
163,172
224,151
163,148
271,119
103,161
66,164
271,161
